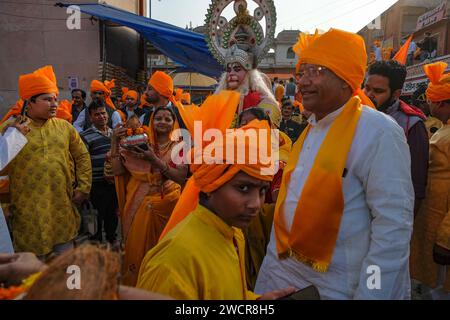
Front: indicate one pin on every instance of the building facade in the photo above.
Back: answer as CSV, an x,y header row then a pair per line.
x,y
35,35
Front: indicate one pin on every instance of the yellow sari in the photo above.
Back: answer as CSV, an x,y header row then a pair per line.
x,y
146,200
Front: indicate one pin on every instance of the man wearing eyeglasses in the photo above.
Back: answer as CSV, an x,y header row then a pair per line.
x,y
344,213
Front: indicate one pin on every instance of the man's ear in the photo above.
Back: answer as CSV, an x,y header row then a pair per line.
x,y
397,93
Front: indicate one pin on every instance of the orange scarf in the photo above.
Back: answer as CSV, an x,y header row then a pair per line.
x,y
319,211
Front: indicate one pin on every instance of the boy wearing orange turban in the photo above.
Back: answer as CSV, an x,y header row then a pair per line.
x,y
182,265
346,198
430,245
42,175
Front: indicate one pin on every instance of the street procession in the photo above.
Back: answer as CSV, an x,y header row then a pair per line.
x,y
229,150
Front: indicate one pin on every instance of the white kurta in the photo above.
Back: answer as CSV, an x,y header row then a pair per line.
x,y
376,225
10,145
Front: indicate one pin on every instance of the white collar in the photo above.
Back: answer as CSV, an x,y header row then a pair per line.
x,y
327,120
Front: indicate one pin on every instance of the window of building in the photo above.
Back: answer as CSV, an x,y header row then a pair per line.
x,y
290,54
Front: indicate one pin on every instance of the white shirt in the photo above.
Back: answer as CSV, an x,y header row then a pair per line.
x,y
376,225
79,123
10,145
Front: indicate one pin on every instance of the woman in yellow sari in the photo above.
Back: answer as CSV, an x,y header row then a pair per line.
x,y
148,185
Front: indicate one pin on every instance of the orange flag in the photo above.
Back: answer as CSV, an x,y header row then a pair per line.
x,y
402,53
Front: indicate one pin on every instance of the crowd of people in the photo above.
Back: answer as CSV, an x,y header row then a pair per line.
x,y
360,189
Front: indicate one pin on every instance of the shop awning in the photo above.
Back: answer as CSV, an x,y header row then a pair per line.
x,y
182,46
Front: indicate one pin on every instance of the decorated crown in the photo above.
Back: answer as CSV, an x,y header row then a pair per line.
x,y
242,39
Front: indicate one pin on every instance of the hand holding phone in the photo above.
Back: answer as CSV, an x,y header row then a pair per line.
x,y
308,293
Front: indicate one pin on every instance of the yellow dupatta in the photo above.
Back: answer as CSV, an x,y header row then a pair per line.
x,y
315,226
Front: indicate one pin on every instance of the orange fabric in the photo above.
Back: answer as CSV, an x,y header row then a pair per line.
x,y
216,112
303,42
163,84
64,110
344,53
129,93
439,87
279,93
183,97
210,177
297,104
14,111
122,115
40,81
144,102
186,97
106,88
402,53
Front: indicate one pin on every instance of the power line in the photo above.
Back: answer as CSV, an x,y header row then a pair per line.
x,y
345,13
330,9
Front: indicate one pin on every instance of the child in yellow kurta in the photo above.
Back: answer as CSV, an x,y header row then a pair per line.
x,y
203,257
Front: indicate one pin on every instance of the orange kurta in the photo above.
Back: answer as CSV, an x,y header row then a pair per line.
x,y
435,209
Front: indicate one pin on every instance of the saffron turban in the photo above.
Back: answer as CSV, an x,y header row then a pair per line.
x,y
40,81
217,169
163,84
344,53
106,88
129,93
439,87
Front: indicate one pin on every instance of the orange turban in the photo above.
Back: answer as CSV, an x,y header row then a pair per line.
x,y
344,53
40,81
186,97
64,110
129,93
439,87
106,88
14,111
163,84
183,97
210,176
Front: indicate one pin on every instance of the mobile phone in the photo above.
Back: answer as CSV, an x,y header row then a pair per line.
x,y
308,293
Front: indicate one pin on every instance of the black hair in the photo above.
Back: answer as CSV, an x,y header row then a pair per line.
x,y
172,114
291,79
83,93
33,98
286,101
393,70
94,105
259,113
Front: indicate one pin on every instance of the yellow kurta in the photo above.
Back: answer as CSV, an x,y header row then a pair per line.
x,y
197,260
42,180
432,222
